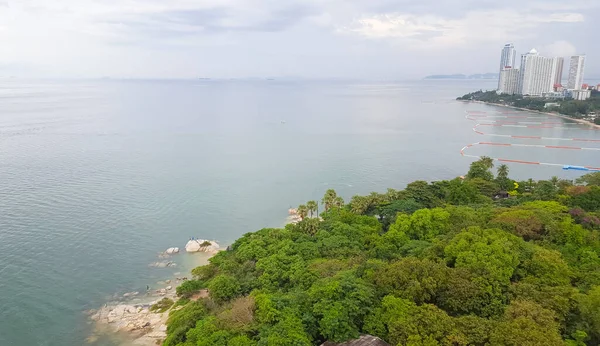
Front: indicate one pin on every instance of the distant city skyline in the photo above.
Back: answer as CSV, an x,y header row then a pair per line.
x,y
539,75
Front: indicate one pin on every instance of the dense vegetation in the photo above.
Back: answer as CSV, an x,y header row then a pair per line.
x,y
442,263
573,108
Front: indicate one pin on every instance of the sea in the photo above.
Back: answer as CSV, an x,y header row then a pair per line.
x,y
97,177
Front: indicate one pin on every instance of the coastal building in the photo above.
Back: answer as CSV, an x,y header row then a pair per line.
x,y
537,74
581,95
509,81
554,95
557,71
576,69
507,59
509,54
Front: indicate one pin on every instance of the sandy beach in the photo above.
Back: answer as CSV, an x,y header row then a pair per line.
x,y
554,114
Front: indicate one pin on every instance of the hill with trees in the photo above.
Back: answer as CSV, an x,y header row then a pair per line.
x,y
450,262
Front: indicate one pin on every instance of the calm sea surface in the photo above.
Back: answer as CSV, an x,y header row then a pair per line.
x,y
97,177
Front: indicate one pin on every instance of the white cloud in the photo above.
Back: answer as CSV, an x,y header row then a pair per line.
x,y
440,32
293,37
558,48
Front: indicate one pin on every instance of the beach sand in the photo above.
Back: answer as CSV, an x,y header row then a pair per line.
x,y
554,114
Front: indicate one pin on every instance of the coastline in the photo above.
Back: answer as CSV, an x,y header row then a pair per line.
x,y
581,121
128,320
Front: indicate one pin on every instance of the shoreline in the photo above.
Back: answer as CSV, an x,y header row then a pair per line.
x,y
558,115
128,320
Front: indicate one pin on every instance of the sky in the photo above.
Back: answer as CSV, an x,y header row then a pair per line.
x,y
352,39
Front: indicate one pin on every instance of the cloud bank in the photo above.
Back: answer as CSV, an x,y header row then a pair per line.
x,y
314,39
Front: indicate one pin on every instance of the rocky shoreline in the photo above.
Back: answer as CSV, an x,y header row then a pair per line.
x,y
131,315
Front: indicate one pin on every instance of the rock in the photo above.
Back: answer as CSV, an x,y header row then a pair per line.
x,y
167,281
162,291
131,294
172,250
201,245
163,264
168,288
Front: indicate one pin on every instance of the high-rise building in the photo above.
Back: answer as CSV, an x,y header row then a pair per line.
x,y
509,54
509,81
557,71
535,74
576,72
507,58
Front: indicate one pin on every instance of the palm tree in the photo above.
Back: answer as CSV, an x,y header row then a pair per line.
x,y
310,226
503,171
302,211
359,204
328,199
554,180
338,202
312,207
487,161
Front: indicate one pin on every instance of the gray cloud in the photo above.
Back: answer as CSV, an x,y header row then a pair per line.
x,y
312,38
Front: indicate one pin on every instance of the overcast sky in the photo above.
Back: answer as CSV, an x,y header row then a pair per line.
x,y
374,39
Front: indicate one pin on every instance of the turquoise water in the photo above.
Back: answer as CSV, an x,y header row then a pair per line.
x,y
97,177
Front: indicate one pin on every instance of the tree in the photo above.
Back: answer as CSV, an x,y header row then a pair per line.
x,y
338,202
424,224
487,162
502,179
524,223
421,192
411,278
340,305
503,171
309,226
545,190
589,201
589,306
223,288
479,169
527,324
302,211
388,212
329,199
312,207
402,322
489,253
360,204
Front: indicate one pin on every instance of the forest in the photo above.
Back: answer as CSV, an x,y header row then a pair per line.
x,y
477,260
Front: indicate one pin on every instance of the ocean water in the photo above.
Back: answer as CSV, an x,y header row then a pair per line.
x,y
97,177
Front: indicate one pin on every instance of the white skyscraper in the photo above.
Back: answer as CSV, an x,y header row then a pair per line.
x,y
536,74
557,70
576,72
507,59
509,81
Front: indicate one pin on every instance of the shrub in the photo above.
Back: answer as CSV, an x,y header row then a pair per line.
x,y
189,288
162,305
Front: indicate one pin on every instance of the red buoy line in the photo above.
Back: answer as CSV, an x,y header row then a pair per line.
x,y
479,115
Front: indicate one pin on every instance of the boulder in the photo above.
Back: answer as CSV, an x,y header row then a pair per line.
x,y
168,288
172,250
201,245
